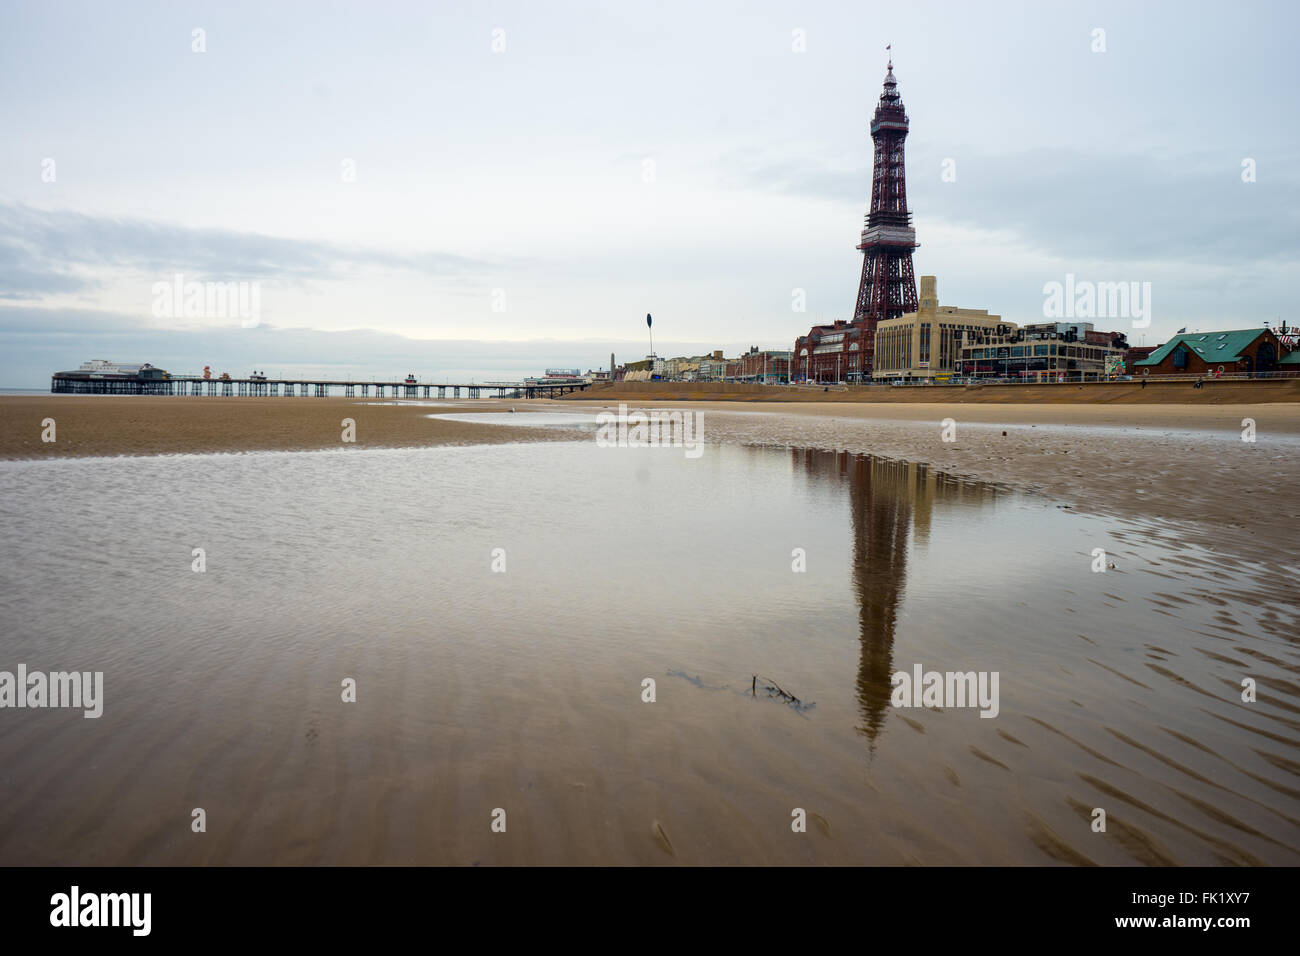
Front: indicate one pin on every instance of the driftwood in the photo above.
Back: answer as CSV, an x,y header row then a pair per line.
x,y
770,685
774,690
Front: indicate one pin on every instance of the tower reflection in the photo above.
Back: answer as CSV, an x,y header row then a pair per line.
x,y
887,501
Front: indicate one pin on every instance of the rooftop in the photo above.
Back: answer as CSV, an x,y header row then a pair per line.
x,y
1210,346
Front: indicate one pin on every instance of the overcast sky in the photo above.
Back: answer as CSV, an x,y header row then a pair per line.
x,y
482,190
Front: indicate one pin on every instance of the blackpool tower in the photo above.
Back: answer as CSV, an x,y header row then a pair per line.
x,y
888,286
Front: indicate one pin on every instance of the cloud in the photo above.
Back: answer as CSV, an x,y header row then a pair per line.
x,y
53,252
1076,204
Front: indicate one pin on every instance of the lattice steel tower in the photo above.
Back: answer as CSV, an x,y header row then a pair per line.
x,y
888,286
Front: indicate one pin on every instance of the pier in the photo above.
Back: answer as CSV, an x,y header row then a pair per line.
x,y
68,383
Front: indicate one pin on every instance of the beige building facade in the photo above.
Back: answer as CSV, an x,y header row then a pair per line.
x,y
927,342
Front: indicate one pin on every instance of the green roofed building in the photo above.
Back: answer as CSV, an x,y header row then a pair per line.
x,y
1241,351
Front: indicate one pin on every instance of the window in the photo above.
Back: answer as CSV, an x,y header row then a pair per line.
x,y
1180,357
1040,349
1018,351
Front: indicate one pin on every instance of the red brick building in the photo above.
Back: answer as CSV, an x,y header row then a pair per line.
x,y
766,367
831,353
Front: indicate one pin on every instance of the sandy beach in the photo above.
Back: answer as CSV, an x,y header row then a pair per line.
x,y
105,425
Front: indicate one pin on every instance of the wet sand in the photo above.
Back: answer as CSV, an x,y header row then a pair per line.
x,y
109,425
1176,462
1187,462
522,690
483,690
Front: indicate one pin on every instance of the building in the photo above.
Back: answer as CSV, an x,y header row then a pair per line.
x,y
1044,352
843,351
641,371
927,342
102,377
831,353
887,288
1238,352
1138,352
761,367
712,370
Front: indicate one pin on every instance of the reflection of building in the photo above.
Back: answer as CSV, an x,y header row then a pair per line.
x,y
1248,351
928,342
887,499
1044,351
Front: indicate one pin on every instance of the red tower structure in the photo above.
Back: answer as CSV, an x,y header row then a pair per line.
x,y
888,286
846,350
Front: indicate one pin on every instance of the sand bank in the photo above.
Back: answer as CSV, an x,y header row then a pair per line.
x,y
104,425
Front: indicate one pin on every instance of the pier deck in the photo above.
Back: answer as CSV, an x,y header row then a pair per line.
x,y
318,388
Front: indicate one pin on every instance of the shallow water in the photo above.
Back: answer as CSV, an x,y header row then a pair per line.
x,y
521,690
523,420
